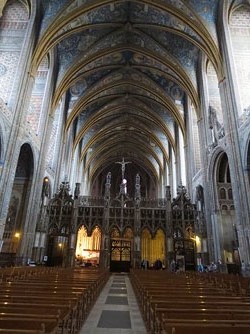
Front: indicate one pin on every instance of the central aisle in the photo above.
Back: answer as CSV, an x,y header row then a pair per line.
x,y
116,310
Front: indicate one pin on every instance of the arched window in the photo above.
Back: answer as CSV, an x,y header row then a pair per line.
x,y
239,26
34,116
214,112
222,193
13,23
230,193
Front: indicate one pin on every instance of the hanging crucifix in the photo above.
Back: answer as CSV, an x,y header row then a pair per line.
x,y
123,164
123,187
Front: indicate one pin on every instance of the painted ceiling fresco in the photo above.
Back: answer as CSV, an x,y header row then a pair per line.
x,y
127,68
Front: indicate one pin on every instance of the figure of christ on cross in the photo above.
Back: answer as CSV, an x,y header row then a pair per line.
x,y
123,164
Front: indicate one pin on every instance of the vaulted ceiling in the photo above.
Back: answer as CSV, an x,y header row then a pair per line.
x,y
127,69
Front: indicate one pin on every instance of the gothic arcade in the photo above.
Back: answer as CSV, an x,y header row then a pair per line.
x,y
132,229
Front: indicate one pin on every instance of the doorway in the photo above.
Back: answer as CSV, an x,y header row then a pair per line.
x,y
120,255
185,254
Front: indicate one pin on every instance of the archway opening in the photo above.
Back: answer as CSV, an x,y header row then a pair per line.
x,y
226,217
88,247
153,248
120,250
14,233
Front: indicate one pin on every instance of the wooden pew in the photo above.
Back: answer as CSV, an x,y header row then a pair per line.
x,y
161,307
161,296
76,305
67,295
20,331
44,325
164,317
182,328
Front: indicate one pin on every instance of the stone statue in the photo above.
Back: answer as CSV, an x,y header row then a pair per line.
x,y
108,178
107,186
137,189
214,125
77,190
199,197
168,193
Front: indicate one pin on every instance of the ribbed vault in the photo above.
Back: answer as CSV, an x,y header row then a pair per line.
x,y
127,70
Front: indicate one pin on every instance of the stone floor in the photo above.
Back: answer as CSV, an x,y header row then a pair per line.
x,y
116,310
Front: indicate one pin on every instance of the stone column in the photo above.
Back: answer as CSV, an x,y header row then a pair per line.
x,y
104,260
242,210
230,107
17,130
104,251
206,178
178,156
137,239
169,246
72,239
34,202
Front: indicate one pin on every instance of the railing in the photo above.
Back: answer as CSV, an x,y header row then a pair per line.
x,y
143,203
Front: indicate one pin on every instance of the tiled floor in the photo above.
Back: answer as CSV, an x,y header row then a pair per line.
x,y
116,310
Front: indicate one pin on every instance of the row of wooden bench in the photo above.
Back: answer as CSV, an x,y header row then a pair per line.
x,y
235,283
8,274
182,303
56,302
